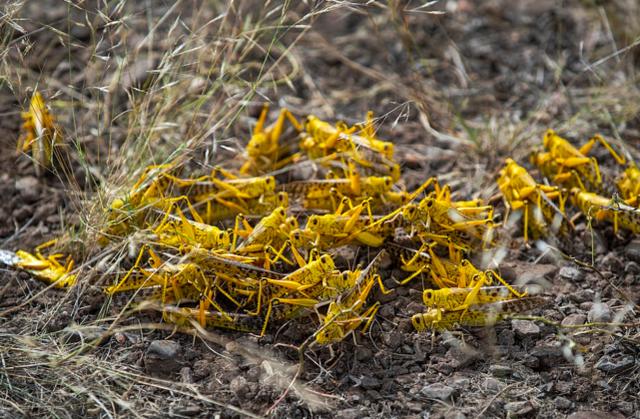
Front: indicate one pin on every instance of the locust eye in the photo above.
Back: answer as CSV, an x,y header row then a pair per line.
x,y
270,181
430,203
313,221
464,262
428,295
221,236
281,212
326,261
387,182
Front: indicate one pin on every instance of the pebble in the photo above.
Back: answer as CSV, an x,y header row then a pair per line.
x,y
438,391
600,313
493,385
574,319
238,386
570,273
353,413
631,267
582,296
626,407
506,337
363,353
548,356
163,357
459,382
29,189
189,409
370,383
85,334
22,213
562,403
632,251
609,365
594,414
525,328
519,408
501,370
186,375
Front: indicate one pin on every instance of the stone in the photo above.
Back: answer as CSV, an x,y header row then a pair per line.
x,y
599,313
548,356
574,319
370,383
164,349
29,189
516,409
501,371
493,385
459,382
189,409
594,414
22,213
626,407
363,353
186,375
163,357
562,403
506,337
438,391
632,251
609,365
571,274
525,329
238,386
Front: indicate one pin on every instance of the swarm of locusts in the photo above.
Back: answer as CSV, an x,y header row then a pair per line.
x,y
248,247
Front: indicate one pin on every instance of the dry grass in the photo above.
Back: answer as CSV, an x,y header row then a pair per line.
x,y
140,83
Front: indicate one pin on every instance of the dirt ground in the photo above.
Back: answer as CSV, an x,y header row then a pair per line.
x,y
458,86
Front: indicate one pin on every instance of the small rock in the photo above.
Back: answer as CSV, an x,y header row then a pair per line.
x,y
163,357
363,353
609,365
562,403
186,375
574,319
493,385
599,313
594,414
501,370
29,189
393,339
548,356
22,213
531,361
626,407
164,349
85,334
581,296
632,251
190,409
506,337
519,408
631,267
353,413
525,328
458,382
238,386
570,273
370,383
438,391
586,306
